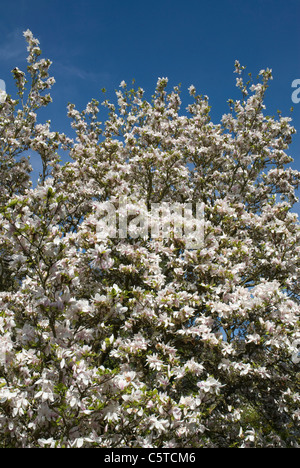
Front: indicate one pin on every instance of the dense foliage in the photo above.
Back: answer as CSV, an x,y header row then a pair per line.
x,y
140,341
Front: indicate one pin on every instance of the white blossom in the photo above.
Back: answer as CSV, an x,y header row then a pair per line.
x,y
144,338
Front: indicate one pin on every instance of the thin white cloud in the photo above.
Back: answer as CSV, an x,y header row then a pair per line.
x,y
77,72
13,46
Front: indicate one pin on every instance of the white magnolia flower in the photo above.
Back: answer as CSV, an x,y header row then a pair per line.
x,y
2,96
210,385
158,424
154,362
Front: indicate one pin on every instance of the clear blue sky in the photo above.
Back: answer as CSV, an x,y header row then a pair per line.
x,y
96,43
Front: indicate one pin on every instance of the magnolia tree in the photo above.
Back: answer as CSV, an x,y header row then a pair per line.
x,y
116,335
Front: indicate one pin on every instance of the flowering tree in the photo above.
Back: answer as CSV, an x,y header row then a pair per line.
x,y
112,341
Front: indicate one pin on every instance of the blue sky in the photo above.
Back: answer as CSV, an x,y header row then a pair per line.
x,y
96,43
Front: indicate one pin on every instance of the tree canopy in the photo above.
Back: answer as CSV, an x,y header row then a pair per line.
x,y
142,341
